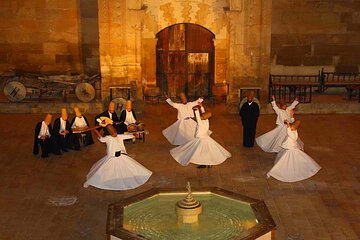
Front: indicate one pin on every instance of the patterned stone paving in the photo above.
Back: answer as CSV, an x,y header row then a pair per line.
x,y
44,199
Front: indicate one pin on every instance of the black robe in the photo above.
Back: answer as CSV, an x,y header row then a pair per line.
x,y
46,145
123,126
62,143
249,116
75,137
114,118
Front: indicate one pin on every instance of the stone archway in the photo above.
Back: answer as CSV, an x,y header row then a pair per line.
x,y
185,60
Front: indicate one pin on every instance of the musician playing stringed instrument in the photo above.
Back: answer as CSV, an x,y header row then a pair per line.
x,y
79,126
111,114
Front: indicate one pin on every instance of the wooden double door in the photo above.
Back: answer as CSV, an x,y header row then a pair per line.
x,y
185,60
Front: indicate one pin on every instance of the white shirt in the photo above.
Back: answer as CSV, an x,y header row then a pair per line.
x,y
291,140
79,122
250,103
44,130
115,144
62,125
202,127
282,114
129,119
184,110
110,115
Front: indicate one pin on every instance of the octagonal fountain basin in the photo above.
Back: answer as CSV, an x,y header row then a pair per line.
x,y
225,215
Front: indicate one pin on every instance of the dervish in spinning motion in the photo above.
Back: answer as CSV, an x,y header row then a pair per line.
x,y
183,130
116,171
271,141
201,150
292,164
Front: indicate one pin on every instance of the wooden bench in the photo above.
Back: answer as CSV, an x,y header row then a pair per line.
x,y
350,89
333,79
288,87
141,134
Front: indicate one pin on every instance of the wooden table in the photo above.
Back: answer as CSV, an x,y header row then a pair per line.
x,y
122,89
141,134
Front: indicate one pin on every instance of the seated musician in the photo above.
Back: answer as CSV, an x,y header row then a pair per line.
x,y
44,137
110,113
62,131
127,117
80,123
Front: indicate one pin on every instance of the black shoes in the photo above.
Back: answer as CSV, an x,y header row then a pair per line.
x,y
204,166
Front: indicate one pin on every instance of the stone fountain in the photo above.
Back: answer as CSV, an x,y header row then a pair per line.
x,y
204,213
188,209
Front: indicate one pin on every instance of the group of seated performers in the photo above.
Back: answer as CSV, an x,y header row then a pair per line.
x,y
127,118
63,136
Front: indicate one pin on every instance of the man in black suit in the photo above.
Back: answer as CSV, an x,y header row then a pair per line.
x,y
110,113
44,137
249,113
127,117
62,131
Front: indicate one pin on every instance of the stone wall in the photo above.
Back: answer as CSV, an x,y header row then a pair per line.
x,y
46,36
128,31
310,34
89,36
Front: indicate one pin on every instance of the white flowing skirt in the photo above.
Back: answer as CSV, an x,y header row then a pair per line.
x,y
292,165
200,151
180,132
117,173
271,141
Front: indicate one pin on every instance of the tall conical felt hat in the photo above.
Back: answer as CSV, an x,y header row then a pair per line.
x,y
64,114
128,104
77,112
48,118
296,124
282,102
111,129
206,115
112,106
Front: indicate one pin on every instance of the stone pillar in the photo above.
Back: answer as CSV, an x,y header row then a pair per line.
x,y
249,46
120,23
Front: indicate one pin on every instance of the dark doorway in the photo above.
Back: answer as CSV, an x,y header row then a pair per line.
x,y
185,60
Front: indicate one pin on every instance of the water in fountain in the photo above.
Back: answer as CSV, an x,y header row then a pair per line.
x,y
222,218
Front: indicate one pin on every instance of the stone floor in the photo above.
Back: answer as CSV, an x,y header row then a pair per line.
x,y
323,207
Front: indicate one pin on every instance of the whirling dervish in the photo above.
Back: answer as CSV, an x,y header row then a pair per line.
x,y
271,141
183,130
116,171
292,164
201,150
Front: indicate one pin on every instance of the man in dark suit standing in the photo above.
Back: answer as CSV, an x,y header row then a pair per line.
x,y
62,131
110,113
249,113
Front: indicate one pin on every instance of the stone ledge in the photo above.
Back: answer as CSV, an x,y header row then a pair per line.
x,y
51,107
